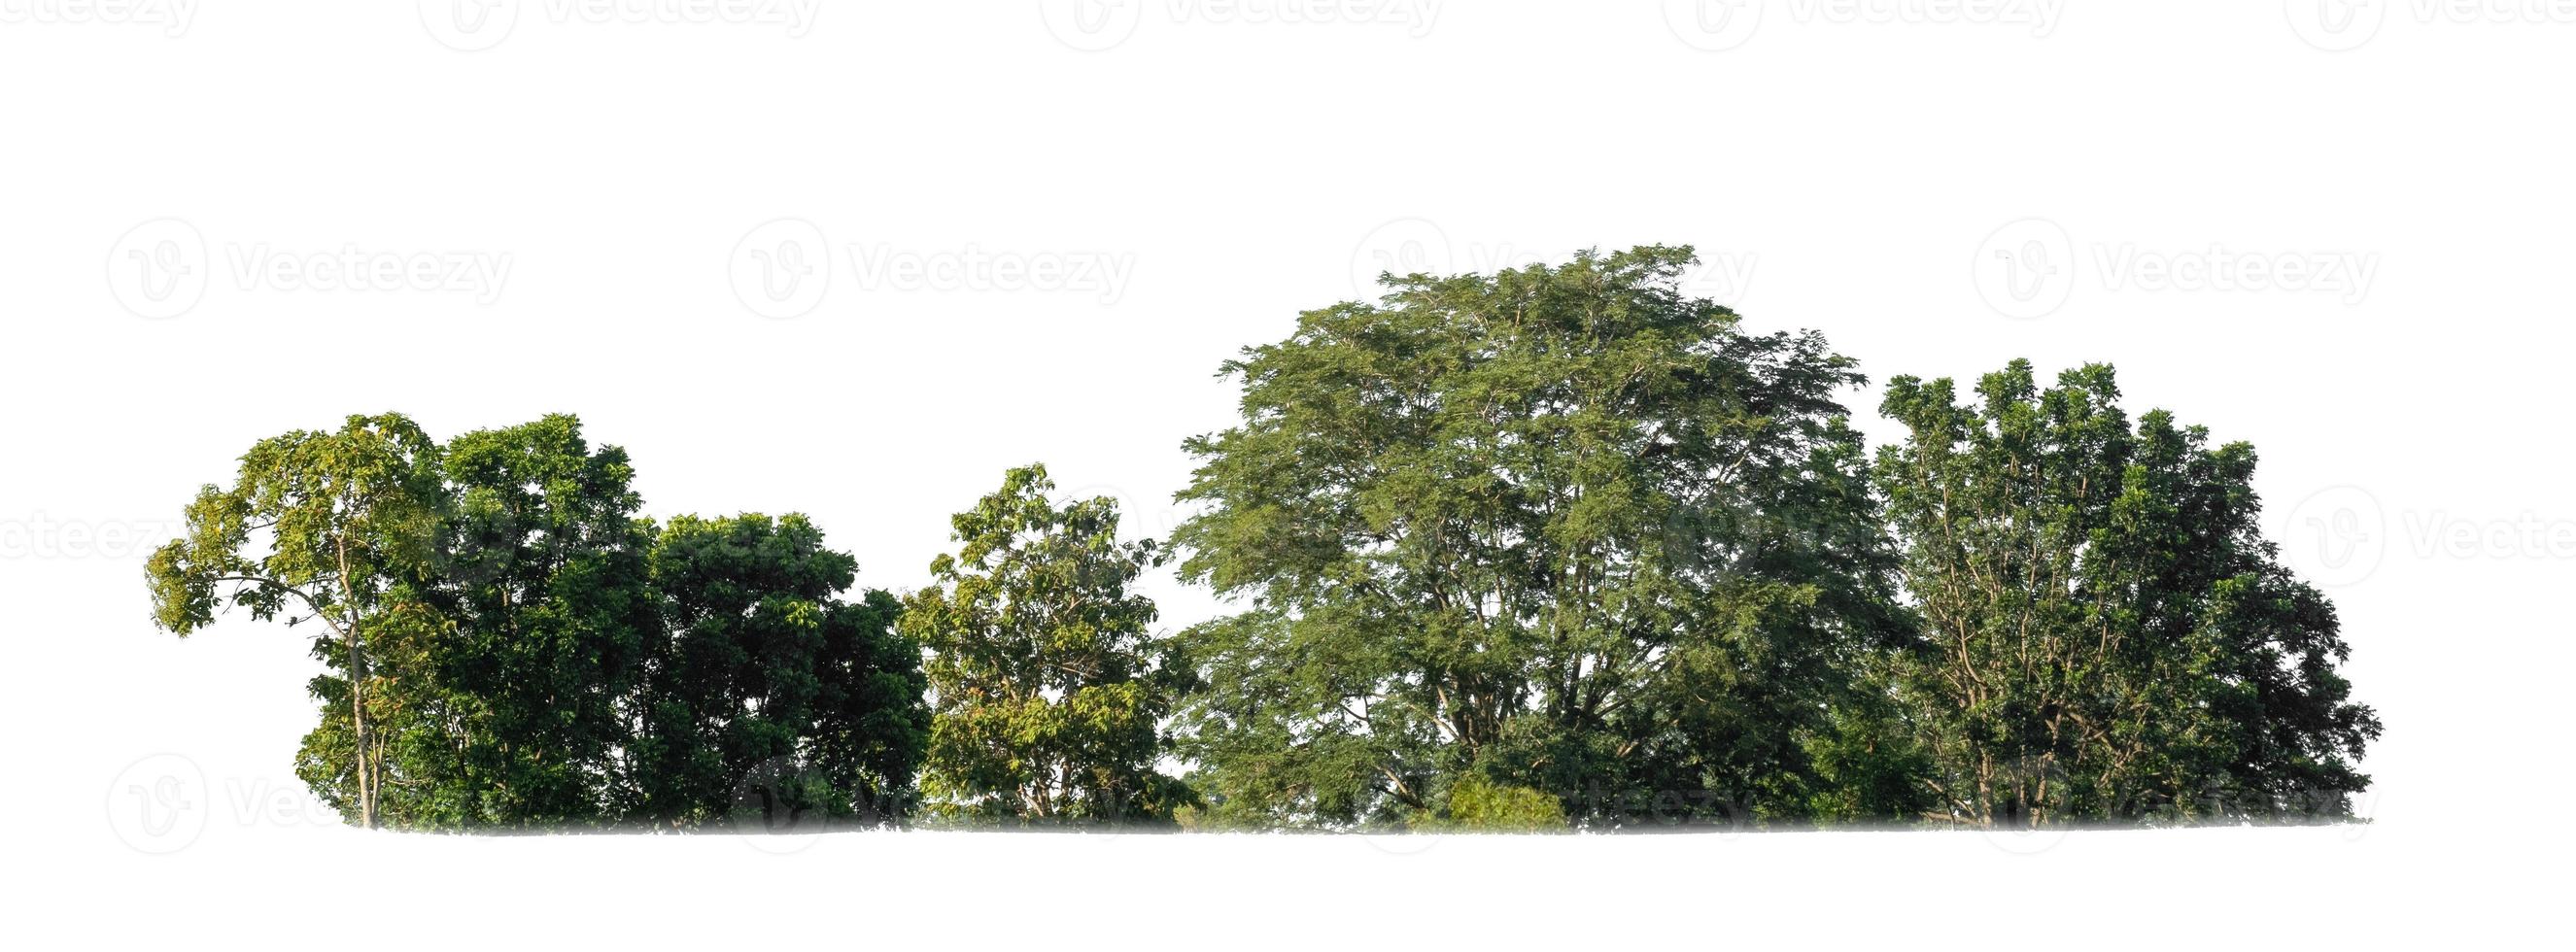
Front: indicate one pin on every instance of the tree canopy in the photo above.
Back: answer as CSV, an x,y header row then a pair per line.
x,y
1562,529
773,687
1049,689
509,645
324,526
1558,547
2106,633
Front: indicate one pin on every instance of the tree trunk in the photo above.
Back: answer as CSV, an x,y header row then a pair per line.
x,y
357,692
358,722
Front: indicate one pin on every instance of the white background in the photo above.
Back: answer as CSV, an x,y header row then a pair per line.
x,y
1939,187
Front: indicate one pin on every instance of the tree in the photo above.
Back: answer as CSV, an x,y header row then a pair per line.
x,y
773,694
510,645
1049,690
1562,529
318,526
552,622
2106,633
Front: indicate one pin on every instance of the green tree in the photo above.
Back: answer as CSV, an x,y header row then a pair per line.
x,y
1049,691
1478,805
2106,635
551,623
318,526
1563,528
772,695
509,645
504,694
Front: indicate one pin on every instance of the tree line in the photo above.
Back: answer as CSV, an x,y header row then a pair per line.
x,y
1556,547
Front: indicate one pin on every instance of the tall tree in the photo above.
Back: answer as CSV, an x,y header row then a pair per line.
x,y
318,526
2106,633
1558,528
503,694
543,577
771,685
1049,690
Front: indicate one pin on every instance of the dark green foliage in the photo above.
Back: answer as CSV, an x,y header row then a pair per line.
x,y
771,686
555,617
2107,635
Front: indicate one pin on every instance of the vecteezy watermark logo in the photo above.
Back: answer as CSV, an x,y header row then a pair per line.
x,y
172,16
474,25
1715,25
783,268
39,536
1094,25
161,268
2338,25
2335,25
2338,537
2028,269
778,806
469,25
2347,275
1405,246
256,266
2439,534
1722,276
882,266
159,804
158,269
2335,537
162,804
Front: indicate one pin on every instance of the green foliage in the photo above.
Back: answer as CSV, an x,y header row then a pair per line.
x,y
1870,765
319,526
1553,548
2107,635
1050,692
509,645
1566,528
555,621
535,623
1480,805
771,687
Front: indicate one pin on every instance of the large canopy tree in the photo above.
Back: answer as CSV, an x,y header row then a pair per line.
x,y
1559,528
1049,688
320,526
2106,633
